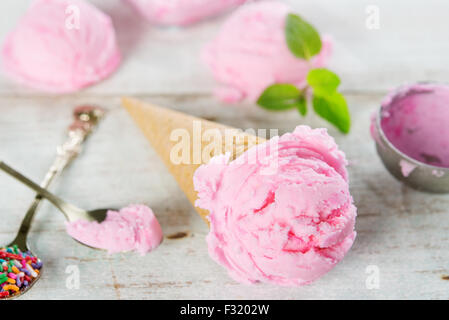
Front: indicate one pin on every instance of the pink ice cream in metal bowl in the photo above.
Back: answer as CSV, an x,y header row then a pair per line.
x,y
182,12
250,53
61,46
280,213
412,135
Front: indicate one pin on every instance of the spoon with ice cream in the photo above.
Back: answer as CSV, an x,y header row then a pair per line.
x,y
132,228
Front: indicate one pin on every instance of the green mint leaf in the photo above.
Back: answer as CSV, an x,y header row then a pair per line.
x,y
302,105
302,38
278,97
334,109
323,81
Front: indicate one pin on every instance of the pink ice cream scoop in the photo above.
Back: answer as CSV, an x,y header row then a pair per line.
x,y
281,212
250,53
61,46
182,12
134,228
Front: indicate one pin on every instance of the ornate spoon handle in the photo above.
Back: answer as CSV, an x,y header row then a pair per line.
x,y
85,120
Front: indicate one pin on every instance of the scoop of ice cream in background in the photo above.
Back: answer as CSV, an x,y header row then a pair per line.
x,y
181,12
133,228
250,53
61,46
287,224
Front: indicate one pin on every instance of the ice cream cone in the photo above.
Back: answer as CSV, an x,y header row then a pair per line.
x,y
163,127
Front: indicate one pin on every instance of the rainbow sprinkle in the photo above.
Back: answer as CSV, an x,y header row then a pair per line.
x,y
18,270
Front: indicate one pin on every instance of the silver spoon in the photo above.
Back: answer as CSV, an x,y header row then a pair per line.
x,y
71,212
85,120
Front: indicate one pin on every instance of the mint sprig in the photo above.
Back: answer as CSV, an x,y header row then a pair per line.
x,y
323,81
327,101
279,97
302,38
301,105
334,109
305,42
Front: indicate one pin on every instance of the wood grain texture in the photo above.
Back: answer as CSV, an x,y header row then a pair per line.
x,y
403,232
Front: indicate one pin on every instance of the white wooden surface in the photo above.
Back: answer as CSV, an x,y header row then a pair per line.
x,y
403,232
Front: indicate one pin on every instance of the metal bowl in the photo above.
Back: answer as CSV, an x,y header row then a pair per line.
x,y
424,177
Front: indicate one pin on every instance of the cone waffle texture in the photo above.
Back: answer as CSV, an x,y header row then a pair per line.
x,y
164,127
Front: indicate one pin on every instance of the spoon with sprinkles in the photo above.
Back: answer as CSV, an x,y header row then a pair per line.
x,y
20,269
132,228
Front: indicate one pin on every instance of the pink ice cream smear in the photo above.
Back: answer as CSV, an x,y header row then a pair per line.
x,y
134,228
406,168
283,214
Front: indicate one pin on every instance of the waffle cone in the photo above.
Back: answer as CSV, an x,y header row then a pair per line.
x,y
162,127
